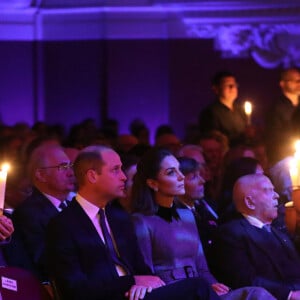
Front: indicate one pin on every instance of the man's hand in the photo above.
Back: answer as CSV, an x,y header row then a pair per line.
x,y
143,284
294,295
6,228
137,292
220,288
149,281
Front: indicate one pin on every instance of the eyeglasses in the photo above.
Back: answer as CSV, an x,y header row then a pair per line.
x,y
60,167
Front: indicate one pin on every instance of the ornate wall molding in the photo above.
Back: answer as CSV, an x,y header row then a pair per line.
x,y
269,31
270,45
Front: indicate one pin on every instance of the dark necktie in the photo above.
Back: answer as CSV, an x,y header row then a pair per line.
x,y
267,227
109,243
63,205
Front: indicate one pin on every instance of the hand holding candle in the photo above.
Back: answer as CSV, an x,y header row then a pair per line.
x,y
3,176
248,111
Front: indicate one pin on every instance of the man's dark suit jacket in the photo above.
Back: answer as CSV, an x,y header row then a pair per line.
x,y
207,228
30,220
248,255
82,269
79,262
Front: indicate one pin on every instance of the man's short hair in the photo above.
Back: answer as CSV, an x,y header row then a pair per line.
x,y
89,158
218,77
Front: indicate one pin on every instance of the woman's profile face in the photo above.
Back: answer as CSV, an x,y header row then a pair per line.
x,y
169,180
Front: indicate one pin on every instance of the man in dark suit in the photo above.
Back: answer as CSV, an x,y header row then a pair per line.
x,y
205,216
53,179
91,246
249,250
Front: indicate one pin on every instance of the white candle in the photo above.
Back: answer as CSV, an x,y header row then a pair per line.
x,y
3,176
295,166
248,111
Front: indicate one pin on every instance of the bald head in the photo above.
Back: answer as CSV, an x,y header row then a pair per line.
x,y
254,195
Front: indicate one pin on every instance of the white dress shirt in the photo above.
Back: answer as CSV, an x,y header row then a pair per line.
x,y
92,212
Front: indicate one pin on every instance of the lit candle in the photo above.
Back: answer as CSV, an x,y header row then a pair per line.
x,y
3,176
248,111
295,166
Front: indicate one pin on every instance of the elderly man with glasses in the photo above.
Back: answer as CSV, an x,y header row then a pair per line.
x,y
52,177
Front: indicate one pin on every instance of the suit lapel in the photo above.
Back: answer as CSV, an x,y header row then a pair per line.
x,y
46,208
86,227
286,243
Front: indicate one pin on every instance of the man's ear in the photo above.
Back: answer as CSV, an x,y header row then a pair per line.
x,y
281,83
249,202
152,183
40,175
91,175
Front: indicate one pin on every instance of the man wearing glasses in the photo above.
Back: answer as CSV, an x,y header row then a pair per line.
x,y
52,177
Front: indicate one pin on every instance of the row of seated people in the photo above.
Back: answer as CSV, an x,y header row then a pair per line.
x,y
75,257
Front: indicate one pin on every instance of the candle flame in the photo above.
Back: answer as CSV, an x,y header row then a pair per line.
x,y
293,167
297,145
248,108
5,167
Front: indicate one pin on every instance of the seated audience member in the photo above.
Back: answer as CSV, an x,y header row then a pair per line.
x,y
129,163
193,199
92,249
168,236
125,142
139,129
214,146
192,151
259,148
195,152
250,251
169,141
53,179
71,153
234,170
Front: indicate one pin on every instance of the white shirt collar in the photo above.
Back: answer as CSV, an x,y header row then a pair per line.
x,y
90,209
254,221
56,202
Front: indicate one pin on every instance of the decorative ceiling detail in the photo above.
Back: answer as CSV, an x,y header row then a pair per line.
x,y
270,45
268,31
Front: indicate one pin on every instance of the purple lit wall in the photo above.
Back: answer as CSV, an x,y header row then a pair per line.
x,y
16,82
159,81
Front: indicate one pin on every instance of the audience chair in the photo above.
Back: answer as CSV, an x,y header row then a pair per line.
x,y
19,284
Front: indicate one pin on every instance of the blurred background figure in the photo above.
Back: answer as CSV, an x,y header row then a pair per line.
x,y
225,114
139,129
129,163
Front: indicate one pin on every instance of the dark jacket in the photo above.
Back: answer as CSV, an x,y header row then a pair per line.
x,y
250,256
